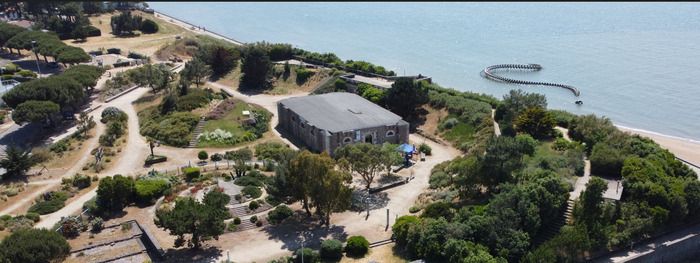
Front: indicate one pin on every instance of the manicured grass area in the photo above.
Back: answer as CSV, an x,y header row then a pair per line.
x,y
231,122
460,134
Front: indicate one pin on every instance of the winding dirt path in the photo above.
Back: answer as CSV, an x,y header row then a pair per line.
x,y
133,154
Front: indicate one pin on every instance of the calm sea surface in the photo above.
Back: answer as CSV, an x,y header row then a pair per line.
x,y
636,63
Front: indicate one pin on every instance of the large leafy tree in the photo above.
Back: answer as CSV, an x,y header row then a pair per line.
x,y
330,193
8,31
125,23
404,96
34,245
390,156
35,111
304,168
73,55
200,220
62,90
256,68
239,158
535,121
16,162
503,156
365,159
157,77
196,71
86,75
221,58
114,193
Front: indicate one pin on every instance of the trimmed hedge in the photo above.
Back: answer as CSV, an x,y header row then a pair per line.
x,y
252,191
191,173
155,159
331,249
357,246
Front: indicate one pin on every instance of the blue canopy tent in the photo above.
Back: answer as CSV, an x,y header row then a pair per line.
x,y
407,151
406,148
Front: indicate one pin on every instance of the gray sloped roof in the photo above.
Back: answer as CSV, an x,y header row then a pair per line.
x,y
340,111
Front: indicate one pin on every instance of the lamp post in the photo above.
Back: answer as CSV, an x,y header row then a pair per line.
x,y
303,239
37,57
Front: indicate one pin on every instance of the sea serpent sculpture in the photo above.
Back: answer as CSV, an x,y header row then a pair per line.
x,y
487,73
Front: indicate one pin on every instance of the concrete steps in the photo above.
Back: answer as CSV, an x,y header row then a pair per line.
x,y
553,229
197,130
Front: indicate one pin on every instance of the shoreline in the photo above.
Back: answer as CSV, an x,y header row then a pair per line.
x,y
188,26
685,149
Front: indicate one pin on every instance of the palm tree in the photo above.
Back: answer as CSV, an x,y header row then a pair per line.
x,y
16,162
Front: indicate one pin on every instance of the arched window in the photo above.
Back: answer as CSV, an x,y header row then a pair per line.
x,y
347,140
390,133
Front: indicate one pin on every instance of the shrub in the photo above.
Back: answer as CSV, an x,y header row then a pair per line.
x,y
71,226
202,155
253,219
172,129
135,55
60,146
114,51
148,190
424,148
237,220
149,27
258,223
414,209
112,114
309,255
357,246
81,181
10,68
279,214
92,31
153,159
191,173
253,205
27,73
331,249
248,180
252,191
232,227
193,100
52,202
33,216
34,245
96,224
303,75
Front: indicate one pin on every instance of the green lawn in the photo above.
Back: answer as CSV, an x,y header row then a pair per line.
x,y
231,122
460,135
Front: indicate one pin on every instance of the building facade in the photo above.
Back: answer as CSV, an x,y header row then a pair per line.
x,y
326,122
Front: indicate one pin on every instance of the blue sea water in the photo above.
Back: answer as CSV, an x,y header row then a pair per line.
x,y
636,63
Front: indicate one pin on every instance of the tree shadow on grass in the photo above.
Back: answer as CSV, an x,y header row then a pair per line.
x,y
203,255
290,232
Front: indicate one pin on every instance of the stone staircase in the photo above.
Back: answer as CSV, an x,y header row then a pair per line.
x,y
197,130
241,211
553,229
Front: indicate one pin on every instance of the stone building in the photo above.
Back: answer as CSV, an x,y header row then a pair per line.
x,y
328,121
